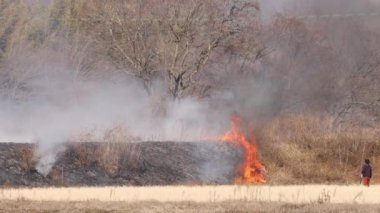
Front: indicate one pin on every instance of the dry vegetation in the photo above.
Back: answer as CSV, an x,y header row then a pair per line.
x,y
307,198
198,48
316,121
100,164
310,149
240,206
309,88
295,194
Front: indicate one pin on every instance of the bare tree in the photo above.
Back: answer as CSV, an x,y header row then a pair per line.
x,y
190,34
123,33
176,39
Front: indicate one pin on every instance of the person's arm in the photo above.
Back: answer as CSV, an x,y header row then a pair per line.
x,y
370,172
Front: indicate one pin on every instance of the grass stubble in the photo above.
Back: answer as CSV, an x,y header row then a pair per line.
x,y
154,206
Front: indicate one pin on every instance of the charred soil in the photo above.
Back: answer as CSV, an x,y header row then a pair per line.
x,y
145,163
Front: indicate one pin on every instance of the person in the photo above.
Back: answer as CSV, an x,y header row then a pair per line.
x,y
366,172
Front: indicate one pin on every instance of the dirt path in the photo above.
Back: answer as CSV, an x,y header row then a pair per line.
x,y
302,194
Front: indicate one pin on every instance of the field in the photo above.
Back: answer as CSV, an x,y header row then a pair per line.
x,y
231,206
289,194
193,106
307,198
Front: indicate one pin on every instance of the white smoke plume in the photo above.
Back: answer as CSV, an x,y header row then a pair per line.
x,y
57,106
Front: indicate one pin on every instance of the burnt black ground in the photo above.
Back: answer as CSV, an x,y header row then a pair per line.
x,y
145,163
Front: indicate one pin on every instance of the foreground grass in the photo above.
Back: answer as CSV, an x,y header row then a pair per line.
x,y
296,194
237,206
308,198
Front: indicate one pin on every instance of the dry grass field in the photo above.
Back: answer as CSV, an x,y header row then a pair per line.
x,y
150,206
302,198
300,194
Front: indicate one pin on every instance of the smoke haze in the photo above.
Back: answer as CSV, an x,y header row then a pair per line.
x,y
46,99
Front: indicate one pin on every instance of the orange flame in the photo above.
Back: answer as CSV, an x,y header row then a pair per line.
x,y
253,171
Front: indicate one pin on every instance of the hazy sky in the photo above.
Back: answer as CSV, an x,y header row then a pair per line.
x,y
318,7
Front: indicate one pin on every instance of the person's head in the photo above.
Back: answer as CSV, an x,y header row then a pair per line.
x,y
366,161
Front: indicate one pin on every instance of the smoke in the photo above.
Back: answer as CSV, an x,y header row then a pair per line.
x,y
269,8
54,105
46,100
51,105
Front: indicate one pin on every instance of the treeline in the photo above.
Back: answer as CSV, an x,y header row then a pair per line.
x,y
290,64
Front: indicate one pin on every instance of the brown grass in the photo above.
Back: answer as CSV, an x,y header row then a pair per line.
x,y
311,149
296,149
237,206
27,158
110,154
295,194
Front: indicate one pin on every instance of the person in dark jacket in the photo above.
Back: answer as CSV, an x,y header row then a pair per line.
x,y
366,172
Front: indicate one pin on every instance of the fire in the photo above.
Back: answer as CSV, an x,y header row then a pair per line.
x,y
252,171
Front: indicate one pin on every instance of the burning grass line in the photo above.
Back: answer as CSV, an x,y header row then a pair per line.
x,y
252,171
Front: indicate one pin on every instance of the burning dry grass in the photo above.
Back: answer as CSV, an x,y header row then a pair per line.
x,y
252,170
300,149
296,149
